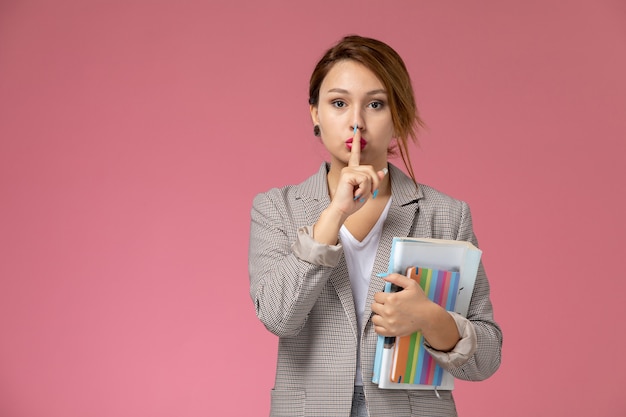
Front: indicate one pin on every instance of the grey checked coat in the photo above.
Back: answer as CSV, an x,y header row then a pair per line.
x,y
301,292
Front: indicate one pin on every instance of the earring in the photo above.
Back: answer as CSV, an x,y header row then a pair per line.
x,y
316,130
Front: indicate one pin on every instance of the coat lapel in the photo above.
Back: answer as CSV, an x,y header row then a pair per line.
x,y
400,220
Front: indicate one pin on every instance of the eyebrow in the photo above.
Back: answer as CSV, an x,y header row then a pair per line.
x,y
369,93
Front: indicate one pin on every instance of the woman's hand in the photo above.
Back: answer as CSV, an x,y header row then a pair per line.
x,y
357,183
404,312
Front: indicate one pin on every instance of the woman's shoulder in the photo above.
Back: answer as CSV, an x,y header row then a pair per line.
x,y
436,198
447,216
406,192
442,208
314,187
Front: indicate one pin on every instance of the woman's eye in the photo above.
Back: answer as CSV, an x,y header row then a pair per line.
x,y
339,104
376,105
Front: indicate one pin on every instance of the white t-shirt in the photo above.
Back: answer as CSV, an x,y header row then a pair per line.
x,y
360,256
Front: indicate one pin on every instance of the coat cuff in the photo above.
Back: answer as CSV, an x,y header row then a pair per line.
x,y
464,349
309,250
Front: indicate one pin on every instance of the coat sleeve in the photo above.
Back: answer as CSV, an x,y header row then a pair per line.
x,y
486,358
287,268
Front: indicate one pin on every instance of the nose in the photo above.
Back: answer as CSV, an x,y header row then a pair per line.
x,y
358,123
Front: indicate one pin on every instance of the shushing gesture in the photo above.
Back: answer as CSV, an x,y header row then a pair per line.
x,y
357,182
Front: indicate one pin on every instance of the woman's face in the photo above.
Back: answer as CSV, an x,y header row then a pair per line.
x,y
351,94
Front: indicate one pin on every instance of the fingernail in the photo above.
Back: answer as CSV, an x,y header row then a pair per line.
x,y
361,200
356,197
385,171
375,193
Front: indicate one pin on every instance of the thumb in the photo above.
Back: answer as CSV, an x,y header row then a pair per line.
x,y
398,280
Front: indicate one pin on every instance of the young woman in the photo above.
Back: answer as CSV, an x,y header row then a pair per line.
x,y
316,249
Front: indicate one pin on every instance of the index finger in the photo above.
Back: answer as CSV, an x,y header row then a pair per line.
x,y
355,151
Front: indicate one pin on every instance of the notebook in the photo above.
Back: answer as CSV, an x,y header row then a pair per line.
x,y
404,363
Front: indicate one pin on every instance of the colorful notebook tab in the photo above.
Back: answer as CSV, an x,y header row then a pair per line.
x,y
412,364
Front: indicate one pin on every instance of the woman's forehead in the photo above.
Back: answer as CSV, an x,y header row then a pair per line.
x,y
350,76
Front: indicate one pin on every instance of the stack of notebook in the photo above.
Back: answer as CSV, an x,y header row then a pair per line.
x,y
446,271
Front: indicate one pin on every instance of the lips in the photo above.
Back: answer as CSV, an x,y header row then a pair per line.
x,y
349,143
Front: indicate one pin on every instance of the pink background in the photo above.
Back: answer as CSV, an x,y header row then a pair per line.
x,y
134,135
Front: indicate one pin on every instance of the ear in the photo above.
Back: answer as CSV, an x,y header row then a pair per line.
x,y
314,114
